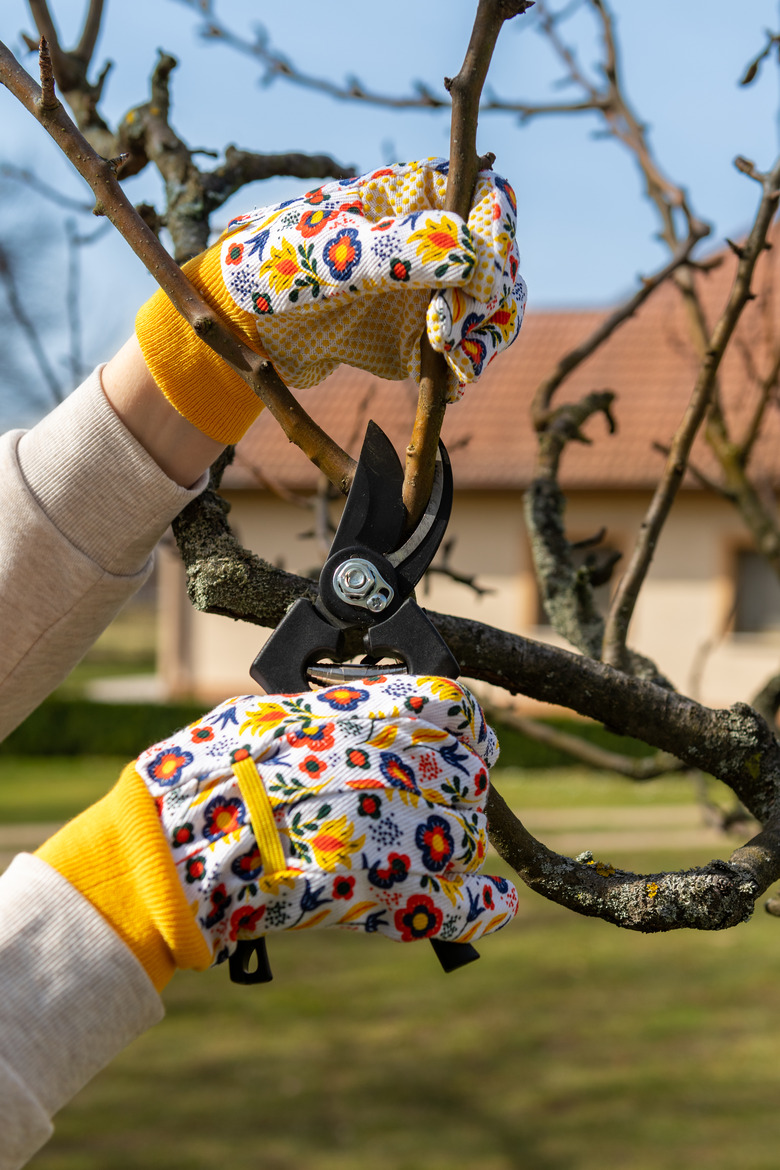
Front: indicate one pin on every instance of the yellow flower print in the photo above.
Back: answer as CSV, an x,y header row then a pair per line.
x,y
436,240
385,736
274,881
263,718
452,887
281,267
443,688
333,844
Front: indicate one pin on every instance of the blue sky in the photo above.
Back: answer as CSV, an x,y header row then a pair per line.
x,y
585,231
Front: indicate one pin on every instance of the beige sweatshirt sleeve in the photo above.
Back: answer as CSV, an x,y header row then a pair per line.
x,y
83,507
73,996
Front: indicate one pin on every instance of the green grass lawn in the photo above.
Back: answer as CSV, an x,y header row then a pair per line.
x,y
54,788
571,1045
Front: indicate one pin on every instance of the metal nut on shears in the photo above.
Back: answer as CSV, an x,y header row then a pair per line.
x,y
359,583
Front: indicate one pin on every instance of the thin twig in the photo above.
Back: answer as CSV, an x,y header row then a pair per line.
x,y
624,601
635,768
570,361
112,202
27,326
465,90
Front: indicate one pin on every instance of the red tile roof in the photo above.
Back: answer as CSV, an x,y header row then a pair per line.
x,y
649,362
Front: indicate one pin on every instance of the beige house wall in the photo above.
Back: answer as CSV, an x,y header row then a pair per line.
x,y
682,620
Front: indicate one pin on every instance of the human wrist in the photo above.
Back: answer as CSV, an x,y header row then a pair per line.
x,y
177,446
192,377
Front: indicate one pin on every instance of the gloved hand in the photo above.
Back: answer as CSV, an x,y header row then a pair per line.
x,y
344,274
354,806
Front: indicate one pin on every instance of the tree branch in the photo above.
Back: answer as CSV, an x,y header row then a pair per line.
x,y
627,592
570,361
465,90
256,371
713,897
635,768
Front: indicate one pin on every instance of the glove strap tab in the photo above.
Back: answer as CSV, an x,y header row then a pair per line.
x,y
261,814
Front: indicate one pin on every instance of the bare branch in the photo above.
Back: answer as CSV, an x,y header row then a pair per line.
x,y
624,312
466,90
713,897
627,592
28,327
635,768
256,371
20,175
90,31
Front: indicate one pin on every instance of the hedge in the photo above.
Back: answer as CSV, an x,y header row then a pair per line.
x,y
79,727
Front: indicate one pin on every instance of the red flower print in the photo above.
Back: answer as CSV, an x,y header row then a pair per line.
x,y
383,171
435,842
243,922
248,865
223,815
261,303
415,703
312,222
487,898
344,698
357,758
316,196
202,734
184,835
234,254
220,900
342,254
369,806
384,877
343,887
353,208
166,767
316,737
312,766
400,269
195,868
419,918
480,782
383,225
241,753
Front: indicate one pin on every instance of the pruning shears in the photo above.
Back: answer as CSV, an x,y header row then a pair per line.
x,y
365,604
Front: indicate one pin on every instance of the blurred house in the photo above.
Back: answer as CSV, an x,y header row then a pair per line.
x,y
709,614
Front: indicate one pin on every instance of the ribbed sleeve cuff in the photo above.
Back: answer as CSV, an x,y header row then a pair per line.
x,y
101,489
115,854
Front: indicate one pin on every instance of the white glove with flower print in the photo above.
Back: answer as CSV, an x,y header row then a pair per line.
x,y
355,806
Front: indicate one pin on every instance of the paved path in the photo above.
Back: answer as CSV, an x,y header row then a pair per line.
x,y
569,831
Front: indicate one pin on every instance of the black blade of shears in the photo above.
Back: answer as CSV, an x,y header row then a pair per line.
x,y
374,513
374,518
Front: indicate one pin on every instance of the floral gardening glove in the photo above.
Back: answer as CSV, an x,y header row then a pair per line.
x,y
354,806
344,273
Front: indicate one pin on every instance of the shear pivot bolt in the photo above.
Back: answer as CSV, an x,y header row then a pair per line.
x,y
357,582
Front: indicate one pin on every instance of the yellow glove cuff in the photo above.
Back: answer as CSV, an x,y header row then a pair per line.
x,y
192,377
116,855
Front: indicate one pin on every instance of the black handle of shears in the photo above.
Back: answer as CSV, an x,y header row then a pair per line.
x,y
372,522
